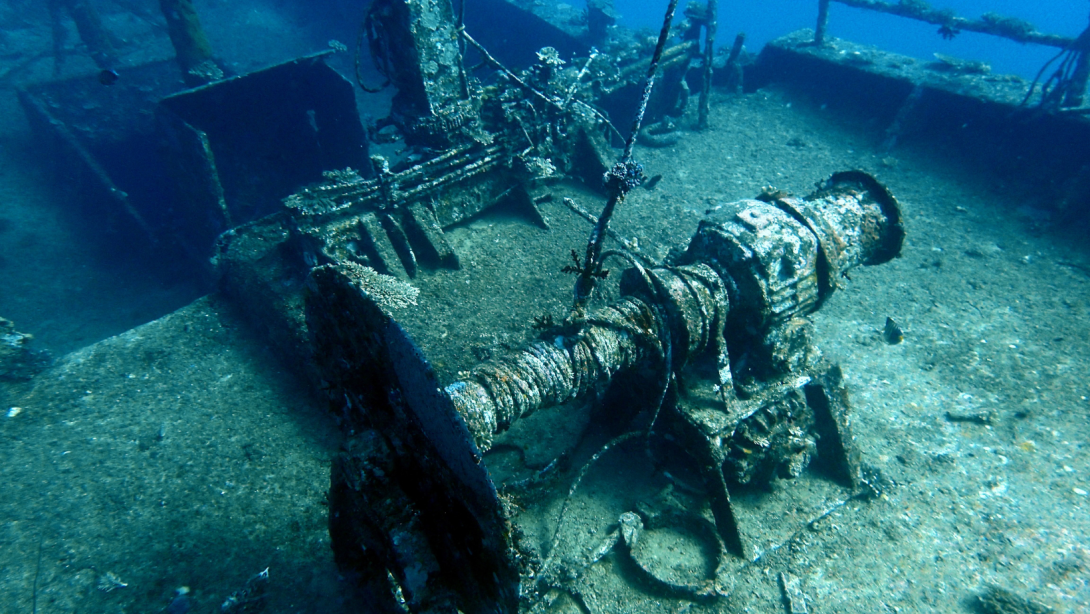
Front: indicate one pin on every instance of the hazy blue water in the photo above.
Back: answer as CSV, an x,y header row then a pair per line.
x,y
764,20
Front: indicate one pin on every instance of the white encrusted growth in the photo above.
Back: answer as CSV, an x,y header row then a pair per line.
x,y
387,291
109,582
334,193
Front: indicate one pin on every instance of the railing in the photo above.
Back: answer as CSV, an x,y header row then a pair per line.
x,y
1065,88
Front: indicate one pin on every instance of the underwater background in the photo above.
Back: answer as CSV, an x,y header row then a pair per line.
x,y
161,450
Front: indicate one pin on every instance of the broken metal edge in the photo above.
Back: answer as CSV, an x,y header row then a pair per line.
x,y
368,358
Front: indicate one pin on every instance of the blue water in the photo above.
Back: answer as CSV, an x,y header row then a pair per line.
x,y
765,20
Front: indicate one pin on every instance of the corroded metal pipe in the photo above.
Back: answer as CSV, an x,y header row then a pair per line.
x,y
822,22
191,46
1010,28
709,55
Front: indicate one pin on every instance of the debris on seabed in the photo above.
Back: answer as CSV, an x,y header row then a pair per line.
x,y
984,417
110,581
250,599
794,600
996,600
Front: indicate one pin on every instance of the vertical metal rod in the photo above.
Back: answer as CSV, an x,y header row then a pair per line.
x,y
1076,91
624,176
93,33
649,82
191,46
709,54
822,22
579,78
462,50
733,69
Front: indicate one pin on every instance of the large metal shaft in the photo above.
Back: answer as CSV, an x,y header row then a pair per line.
x,y
751,266
547,374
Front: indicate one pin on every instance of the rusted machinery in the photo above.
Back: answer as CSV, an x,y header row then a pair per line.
x,y
701,370
738,385
705,361
477,146
704,364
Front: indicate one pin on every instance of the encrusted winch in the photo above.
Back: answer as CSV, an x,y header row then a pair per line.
x,y
709,354
741,389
